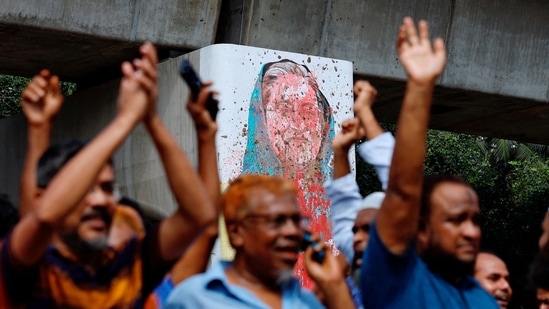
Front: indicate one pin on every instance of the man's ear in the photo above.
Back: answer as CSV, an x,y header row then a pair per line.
x,y
234,233
423,231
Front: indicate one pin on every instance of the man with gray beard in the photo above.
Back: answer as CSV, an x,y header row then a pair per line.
x,y
264,226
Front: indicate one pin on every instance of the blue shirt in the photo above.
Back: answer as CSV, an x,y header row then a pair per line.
x,y
212,289
404,281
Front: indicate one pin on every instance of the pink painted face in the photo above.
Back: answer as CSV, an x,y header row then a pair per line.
x,y
292,116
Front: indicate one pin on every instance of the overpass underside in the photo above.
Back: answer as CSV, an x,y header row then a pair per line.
x,y
496,82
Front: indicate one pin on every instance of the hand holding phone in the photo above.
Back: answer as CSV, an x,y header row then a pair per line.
x,y
195,84
318,256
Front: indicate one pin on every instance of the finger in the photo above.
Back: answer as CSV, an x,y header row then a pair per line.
x,y
128,70
29,95
146,67
54,85
439,47
411,33
36,89
146,83
423,31
149,52
44,74
401,38
207,84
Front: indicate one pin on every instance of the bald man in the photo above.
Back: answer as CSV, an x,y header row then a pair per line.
x,y
492,274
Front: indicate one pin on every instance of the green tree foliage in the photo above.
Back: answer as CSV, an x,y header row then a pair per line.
x,y
11,88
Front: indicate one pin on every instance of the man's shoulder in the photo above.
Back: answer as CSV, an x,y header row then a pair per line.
x,y
198,283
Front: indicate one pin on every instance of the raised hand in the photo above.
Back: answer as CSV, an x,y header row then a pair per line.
x,y
205,126
365,95
351,132
421,61
138,87
42,99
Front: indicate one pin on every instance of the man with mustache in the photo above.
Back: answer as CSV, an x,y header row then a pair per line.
x,y
424,240
492,274
263,221
57,255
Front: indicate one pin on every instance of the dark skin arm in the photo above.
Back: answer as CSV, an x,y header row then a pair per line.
x,y
195,260
350,133
195,209
397,220
41,101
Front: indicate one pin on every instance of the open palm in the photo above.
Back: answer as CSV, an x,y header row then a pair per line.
x,y
421,61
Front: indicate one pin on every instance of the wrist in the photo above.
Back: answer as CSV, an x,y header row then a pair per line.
x,y
422,83
151,120
39,126
341,151
332,286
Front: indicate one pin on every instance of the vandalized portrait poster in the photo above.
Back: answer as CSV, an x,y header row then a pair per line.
x,y
279,112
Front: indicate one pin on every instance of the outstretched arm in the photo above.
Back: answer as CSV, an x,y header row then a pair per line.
x,y
41,101
397,220
195,259
195,209
33,234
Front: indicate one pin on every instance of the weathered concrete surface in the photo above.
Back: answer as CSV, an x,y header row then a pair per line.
x,y
86,41
139,171
496,82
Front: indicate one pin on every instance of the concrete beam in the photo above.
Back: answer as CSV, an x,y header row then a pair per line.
x,y
87,40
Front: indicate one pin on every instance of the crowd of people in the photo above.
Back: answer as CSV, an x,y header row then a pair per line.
x,y
74,242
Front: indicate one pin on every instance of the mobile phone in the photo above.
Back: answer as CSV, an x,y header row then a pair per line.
x,y
307,241
193,81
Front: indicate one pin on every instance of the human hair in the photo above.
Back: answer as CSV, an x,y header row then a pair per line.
x,y
235,199
9,215
55,157
429,185
259,156
539,271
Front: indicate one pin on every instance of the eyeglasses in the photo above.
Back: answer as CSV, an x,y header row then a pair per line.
x,y
275,222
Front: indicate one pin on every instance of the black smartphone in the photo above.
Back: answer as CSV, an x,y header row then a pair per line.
x,y
193,81
307,241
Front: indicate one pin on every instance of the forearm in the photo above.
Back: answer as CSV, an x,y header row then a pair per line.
x,y
194,211
38,140
397,220
341,162
188,189
345,201
369,123
195,259
207,167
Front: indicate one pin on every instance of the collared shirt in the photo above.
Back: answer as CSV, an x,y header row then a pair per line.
x,y
60,281
344,193
212,289
404,281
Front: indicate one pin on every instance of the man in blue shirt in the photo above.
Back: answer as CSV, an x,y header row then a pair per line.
x,y
263,223
444,225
